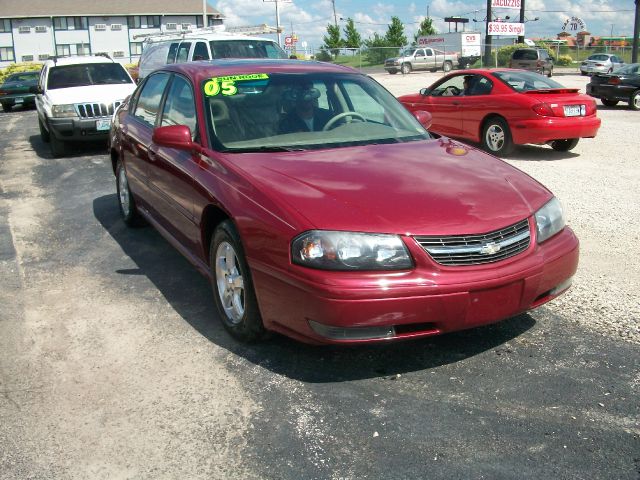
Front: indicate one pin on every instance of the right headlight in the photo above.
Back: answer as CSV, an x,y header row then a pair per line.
x,y
334,250
549,220
63,111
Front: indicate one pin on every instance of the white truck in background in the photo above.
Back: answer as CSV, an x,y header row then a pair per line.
x,y
467,45
418,58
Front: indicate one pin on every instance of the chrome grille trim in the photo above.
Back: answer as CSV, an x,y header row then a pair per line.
x,y
490,247
96,110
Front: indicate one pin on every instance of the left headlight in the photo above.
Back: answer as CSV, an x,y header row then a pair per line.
x,y
333,250
549,220
61,111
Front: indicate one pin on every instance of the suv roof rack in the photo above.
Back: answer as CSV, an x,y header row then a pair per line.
x,y
249,30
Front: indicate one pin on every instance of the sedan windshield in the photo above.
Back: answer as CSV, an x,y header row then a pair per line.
x,y
81,75
262,112
522,81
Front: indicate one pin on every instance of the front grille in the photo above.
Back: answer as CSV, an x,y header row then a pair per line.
x,y
478,249
96,110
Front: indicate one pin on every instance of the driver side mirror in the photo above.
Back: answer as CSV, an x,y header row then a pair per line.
x,y
35,89
424,92
424,118
174,136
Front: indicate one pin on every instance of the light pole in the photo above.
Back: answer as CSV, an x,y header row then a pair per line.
x,y
636,34
521,37
487,37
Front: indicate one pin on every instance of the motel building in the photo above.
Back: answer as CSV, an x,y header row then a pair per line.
x,y
34,30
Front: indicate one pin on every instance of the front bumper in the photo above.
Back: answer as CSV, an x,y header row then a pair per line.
x,y
77,129
426,301
546,129
18,99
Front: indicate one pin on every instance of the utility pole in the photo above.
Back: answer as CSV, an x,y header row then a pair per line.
x,y
487,37
636,34
522,20
335,18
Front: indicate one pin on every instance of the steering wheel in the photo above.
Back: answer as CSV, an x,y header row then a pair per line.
x,y
453,90
340,116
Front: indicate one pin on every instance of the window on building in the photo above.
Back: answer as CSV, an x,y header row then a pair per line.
x,y
70,23
5,25
6,54
63,50
83,49
136,48
199,23
144,21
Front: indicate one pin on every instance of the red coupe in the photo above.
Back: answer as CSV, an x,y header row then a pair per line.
x,y
321,209
501,108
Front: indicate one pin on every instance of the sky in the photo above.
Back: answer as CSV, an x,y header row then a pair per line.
x,y
309,20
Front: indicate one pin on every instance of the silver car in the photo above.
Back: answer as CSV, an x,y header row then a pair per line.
x,y
600,63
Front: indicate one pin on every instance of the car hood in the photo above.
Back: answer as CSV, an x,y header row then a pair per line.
x,y
91,93
435,187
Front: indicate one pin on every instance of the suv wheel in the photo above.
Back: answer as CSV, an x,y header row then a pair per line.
x,y
447,66
550,74
406,68
634,101
609,103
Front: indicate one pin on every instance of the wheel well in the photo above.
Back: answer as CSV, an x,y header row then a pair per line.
x,y
487,119
212,216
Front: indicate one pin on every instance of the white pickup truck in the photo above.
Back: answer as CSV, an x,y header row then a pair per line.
x,y
421,59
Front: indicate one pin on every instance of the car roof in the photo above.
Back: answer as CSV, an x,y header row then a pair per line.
x,y
78,59
202,70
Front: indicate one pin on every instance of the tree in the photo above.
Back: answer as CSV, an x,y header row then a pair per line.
x,y
378,50
352,38
395,36
426,28
332,40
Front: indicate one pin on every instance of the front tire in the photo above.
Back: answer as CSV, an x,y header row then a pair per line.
x,y
44,133
447,66
6,107
564,145
634,101
550,74
392,72
496,137
126,202
405,68
232,285
57,146
609,103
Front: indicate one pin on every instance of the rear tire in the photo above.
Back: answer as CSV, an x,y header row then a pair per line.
x,y
232,285
405,68
392,72
609,103
6,107
634,101
447,66
564,145
496,137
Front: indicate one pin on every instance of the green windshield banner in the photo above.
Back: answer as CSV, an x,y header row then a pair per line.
x,y
227,85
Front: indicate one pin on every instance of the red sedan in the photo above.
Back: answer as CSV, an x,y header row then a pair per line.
x,y
321,209
501,108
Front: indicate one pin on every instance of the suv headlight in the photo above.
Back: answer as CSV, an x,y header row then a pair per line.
x,y
332,250
549,220
63,111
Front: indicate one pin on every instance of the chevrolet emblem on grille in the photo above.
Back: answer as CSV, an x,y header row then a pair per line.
x,y
490,248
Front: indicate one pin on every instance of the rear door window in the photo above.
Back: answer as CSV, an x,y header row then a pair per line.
x,y
200,52
150,97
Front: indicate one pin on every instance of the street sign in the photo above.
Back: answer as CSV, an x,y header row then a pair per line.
x,y
505,29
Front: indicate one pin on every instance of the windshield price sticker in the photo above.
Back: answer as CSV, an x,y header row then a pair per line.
x,y
227,85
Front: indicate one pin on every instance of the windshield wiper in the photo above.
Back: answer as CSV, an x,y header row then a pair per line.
x,y
276,148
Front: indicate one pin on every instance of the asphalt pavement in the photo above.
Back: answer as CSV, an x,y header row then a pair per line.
x,y
114,365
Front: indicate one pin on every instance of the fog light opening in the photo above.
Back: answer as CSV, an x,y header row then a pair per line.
x,y
558,289
353,333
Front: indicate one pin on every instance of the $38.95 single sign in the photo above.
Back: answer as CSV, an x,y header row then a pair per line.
x,y
506,29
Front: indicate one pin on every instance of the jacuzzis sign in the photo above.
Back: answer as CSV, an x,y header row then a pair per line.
x,y
505,4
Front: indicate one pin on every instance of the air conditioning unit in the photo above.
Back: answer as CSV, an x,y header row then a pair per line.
x,y
24,30
41,29
43,56
186,26
100,27
172,26
27,58
116,26
118,54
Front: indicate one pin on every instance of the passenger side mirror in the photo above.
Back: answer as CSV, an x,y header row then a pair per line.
x,y
174,136
424,92
424,118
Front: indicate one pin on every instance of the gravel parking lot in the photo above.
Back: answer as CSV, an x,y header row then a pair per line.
x,y
113,366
